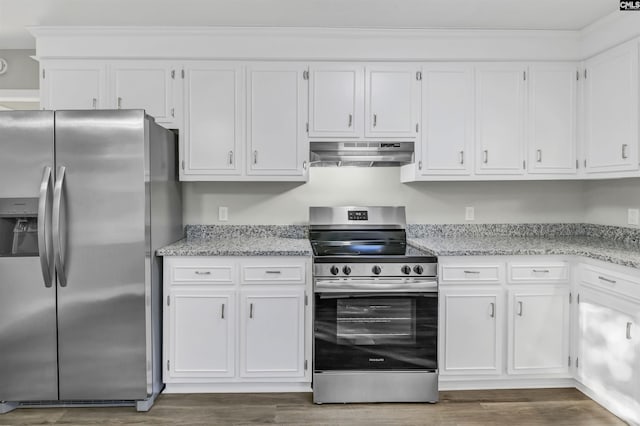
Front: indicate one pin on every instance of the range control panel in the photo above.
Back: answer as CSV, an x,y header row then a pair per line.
x,y
375,270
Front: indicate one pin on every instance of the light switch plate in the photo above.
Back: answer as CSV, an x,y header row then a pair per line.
x,y
469,213
633,216
223,214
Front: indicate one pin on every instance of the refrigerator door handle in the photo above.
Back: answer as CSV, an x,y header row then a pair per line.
x,y
57,242
44,239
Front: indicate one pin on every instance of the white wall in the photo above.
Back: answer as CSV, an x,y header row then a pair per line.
x,y
427,202
607,201
22,72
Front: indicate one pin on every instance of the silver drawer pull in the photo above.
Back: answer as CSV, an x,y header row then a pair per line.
x,y
628,331
222,314
519,309
272,272
541,271
607,280
203,272
493,310
251,310
471,272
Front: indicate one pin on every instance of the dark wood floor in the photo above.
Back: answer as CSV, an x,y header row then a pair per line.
x,y
557,407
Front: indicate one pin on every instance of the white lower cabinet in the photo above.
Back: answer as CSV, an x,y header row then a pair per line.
x,y
221,331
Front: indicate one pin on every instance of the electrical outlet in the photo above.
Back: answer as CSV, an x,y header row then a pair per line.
x,y
633,216
223,214
469,213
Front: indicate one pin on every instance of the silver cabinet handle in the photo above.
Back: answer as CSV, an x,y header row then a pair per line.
x,y
485,155
94,103
119,102
255,157
624,151
272,272
304,165
519,309
628,331
250,310
203,272
375,120
420,165
173,112
607,280
350,120
493,310
56,219
222,313
541,271
471,272
539,155
231,158
44,215
461,157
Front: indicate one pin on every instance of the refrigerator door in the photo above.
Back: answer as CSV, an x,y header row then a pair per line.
x,y
99,243
28,350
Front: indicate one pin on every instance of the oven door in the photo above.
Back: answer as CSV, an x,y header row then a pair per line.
x,y
375,331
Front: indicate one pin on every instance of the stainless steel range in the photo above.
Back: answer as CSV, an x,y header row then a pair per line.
x,y
375,311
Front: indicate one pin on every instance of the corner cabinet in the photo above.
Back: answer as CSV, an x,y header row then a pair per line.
x,y
611,110
236,324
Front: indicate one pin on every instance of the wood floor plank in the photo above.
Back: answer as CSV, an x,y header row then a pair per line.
x,y
527,407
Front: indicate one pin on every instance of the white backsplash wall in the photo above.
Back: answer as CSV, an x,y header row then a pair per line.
x,y
275,203
607,201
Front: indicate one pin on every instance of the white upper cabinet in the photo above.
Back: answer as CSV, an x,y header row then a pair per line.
x,y
213,120
392,101
67,84
336,93
148,85
500,107
551,128
447,119
276,119
611,110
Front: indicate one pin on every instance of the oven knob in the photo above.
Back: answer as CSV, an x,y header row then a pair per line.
x,y
346,270
376,270
334,270
418,269
406,269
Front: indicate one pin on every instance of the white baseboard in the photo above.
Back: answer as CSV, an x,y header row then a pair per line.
x,y
445,384
236,387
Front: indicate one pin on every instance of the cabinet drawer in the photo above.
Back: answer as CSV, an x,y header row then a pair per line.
x,y
285,274
611,281
550,272
222,274
471,273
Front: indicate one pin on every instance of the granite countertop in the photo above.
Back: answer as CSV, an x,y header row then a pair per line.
x,y
613,251
239,246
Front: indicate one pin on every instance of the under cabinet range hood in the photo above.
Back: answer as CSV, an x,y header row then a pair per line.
x,y
361,154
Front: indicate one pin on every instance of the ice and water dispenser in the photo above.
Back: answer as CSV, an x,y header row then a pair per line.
x,y
18,227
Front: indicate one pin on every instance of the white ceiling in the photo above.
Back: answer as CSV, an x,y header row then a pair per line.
x,y
486,14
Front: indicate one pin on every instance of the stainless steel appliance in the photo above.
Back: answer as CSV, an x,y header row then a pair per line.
x,y
86,197
375,308
361,154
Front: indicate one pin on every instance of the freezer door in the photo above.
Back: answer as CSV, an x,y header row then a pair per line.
x,y
28,350
99,244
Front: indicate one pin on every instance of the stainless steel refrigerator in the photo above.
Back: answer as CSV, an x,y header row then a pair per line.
x,y
86,198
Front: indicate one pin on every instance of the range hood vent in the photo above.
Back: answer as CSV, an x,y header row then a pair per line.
x,y
361,154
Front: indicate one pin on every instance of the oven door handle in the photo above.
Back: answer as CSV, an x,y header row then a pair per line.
x,y
368,287
368,294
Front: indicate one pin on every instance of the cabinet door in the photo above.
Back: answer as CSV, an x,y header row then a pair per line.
x,y
611,110
145,85
447,119
500,119
213,120
336,100
609,352
471,331
539,330
552,118
276,119
272,333
73,85
201,334
392,96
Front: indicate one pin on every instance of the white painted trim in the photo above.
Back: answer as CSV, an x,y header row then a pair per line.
x,y
610,31
236,387
604,402
445,384
20,95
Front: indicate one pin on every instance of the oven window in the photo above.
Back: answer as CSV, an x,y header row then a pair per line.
x,y
375,331
380,321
